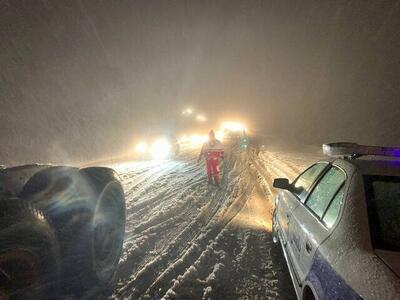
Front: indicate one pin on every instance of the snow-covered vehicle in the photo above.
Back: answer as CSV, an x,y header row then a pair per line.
x,y
339,225
159,147
61,231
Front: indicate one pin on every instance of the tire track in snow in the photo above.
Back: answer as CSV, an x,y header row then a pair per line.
x,y
239,263
232,204
178,231
148,273
136,244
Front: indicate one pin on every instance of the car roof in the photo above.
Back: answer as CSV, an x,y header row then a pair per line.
x,y
373,166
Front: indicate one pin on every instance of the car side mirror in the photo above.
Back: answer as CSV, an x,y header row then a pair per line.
x,y
282,183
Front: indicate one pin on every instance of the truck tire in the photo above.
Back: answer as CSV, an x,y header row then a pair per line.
x,y
108,225
29,261
87,210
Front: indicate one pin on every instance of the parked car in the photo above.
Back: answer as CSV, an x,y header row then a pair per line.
x,y
61,231
339,225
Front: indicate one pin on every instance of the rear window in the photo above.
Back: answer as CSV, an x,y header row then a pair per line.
x,y
334,208
325,190
303,183
383,203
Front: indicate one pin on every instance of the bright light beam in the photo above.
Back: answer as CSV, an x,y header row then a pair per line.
x,y
233,126
220,135
141,148
198,139
187,112
201,118
161,149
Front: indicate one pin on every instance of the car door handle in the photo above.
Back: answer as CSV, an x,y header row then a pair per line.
x,y
308,247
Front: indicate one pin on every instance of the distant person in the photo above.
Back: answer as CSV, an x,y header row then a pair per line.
x,y
212,151
257,149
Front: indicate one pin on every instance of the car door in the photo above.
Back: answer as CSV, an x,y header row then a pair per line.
x,y
309,225
301,188
289,200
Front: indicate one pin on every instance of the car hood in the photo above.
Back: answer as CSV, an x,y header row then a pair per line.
x,y
391,259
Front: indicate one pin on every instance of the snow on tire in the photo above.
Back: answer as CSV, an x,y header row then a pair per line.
x,y
108,225
29,257
87,211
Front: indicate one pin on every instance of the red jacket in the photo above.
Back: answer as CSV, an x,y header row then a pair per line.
x,y
212,150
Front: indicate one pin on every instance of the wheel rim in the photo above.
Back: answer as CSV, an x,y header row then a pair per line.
x,y
108,230
19,275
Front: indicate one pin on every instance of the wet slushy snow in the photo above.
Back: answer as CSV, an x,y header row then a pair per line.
x,y
187,240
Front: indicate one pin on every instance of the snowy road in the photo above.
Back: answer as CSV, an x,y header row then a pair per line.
x,y
185,240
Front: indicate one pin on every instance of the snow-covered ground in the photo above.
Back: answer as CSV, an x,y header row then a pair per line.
x,y
185,240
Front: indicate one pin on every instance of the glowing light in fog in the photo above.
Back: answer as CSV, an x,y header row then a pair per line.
x,y
233,126
187,112
201,118
219,134
141,148
198,139
184,139
161,149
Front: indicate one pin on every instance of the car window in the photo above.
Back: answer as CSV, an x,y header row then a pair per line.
x,y
383,195
325,190
304,182
334,208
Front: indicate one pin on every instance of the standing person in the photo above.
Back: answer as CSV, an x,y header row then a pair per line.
x,y
212,151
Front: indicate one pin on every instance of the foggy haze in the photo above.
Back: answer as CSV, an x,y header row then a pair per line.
x,y
79,80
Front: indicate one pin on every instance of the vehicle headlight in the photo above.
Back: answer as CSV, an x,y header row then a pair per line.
x,y
233,126
219,134
198,139
141,148
161,149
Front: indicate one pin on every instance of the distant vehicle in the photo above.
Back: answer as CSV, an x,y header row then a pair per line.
x,y
233,134
339,225
159,147
61,231
233,130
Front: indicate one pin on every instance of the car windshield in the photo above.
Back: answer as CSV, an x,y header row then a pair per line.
x,y
383,202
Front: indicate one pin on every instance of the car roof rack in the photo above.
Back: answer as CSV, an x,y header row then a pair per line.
x,y
353,150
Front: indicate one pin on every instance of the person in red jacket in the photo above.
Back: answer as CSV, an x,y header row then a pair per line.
x,y
212,151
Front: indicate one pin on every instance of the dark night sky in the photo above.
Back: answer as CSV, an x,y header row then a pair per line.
x,y
80,79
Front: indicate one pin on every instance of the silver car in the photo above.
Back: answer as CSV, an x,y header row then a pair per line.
x,y
339,225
